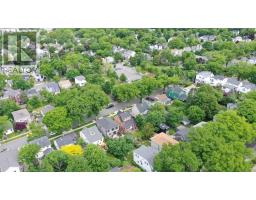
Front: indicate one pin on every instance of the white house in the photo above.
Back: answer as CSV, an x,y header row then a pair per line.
x,y
246,87
80,80
144,157
204,77
45,146
92,135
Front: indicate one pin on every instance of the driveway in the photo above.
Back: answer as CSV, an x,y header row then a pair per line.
x,y
9,157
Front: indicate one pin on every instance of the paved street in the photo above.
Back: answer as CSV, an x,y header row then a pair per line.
x,y
9,157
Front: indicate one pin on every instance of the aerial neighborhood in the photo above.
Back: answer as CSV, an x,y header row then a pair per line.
x,y
132,100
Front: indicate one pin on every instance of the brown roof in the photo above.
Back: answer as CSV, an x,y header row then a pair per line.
x,y
163,138
161,97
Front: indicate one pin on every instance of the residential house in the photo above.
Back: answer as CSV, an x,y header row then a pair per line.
x,y
181,133
200,124
207,38
176,92
45,146
201,59
52,87
108,127
163,99
246,87
92,135
32,92
237,39
218,80
65,140
163,128
108,60
231,85
204,77
130,72
125,121
144,157
46,109
127,54
21,118
65,84
139,109
80,80
12,94
158,140
231,106
157,47
7,128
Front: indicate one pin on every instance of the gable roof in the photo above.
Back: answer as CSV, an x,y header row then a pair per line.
x,y
107,123
20,114
67,139
46,109
42,142
53,87
80,78
92,134
147,153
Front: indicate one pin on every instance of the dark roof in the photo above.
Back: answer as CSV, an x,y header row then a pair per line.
x,y
66,139
176,92
107,123
127,124
182,134
163,126
124,115
42,141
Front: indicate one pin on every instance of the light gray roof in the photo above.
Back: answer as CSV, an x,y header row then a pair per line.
x,y
124,115
80,78
147,153
92,134
127,124
130,72
32,92
142,107
66,139
20,114
12,93
205,73
106,123
219,77
248,85
42,142
182,134
233,81
46,109
53,87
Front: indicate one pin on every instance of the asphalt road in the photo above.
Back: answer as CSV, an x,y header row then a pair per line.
x,y
9,157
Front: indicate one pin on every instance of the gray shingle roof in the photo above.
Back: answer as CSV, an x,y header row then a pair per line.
x,y
106,123
42,141
142,107
233,81
92,134
20,114
124,115
182,134
53,87
66,139
46,109
147,153
80,78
